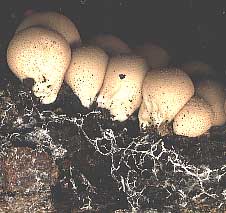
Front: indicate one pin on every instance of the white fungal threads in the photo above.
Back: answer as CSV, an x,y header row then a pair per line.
x,y
86,73
43,55
213,92
194,119
165,92
112,45
54,21
156,56
121,90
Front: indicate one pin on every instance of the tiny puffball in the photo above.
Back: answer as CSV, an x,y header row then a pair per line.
x,y
198,68
54,21
156,56
86,73
213,92
121,90
43,55
112,45
225,106
165,92
194,119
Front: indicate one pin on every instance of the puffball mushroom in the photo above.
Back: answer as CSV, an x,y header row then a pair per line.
x,y
156,56
198,68
194,119
165,92
54,21
225,106
86,73
43,55
213,93
112,45
121,90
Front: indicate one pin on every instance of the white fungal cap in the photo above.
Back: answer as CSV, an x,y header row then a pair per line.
x,y
54,21
156,56
213,93
121,90
198,68
86,72
165,92
40,54
194,119
112,45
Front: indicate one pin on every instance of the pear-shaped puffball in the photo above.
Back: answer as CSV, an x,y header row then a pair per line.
x,y
54,21
213,92
165,92
43,55
225,106
121,91
198,69
112,45
156,56
86,72
194,119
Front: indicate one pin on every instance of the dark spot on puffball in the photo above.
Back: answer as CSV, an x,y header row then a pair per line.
x,y
122,76
44,79
29,83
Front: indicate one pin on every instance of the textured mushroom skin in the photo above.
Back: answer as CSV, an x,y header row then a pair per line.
x,y
54,21
194,119
165,92
143,115
213,92
112,45
156,56
121,90
42,55
198,69
86,72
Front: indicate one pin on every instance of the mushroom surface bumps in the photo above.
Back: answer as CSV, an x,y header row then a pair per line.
x,y
43,55
194,119
156,56
198,69
121,90
213,93
165,92
86,73
111,44
54,21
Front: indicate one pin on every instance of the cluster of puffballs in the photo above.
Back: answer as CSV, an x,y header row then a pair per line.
x,y
47,48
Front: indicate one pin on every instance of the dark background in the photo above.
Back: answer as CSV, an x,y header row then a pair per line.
x,y
188,29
